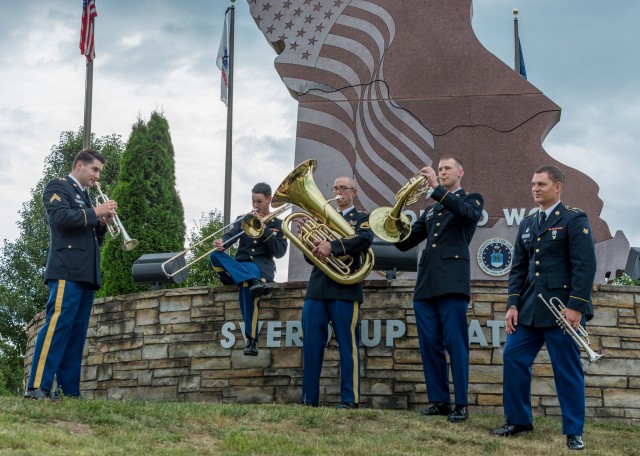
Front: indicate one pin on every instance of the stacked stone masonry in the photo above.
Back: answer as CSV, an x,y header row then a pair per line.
x,y
187,345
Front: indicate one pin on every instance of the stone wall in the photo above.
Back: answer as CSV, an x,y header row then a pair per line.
x,y
186,345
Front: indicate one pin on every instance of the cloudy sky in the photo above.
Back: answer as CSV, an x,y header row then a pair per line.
x,y
160,55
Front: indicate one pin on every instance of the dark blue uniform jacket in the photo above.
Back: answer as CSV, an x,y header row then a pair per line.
x,y
76,234
322,287
262,250
448,227
557,259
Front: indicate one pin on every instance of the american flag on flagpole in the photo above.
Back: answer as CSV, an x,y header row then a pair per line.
x,y
222,62
86,30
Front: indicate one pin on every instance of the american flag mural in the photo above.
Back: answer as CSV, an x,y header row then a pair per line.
x,y
331,57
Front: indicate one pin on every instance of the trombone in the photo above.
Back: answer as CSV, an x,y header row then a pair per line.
x,y
252,225
580,335
116,227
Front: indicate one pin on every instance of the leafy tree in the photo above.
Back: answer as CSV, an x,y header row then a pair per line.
x,y
201,273
23,292
148,204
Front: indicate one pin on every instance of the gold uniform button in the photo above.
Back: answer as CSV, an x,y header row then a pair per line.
x,y
565,286
438,224
538,239
251,256
537,262
457,256
537,250
537,274
255,242
253,250
433,245
439,213
68,246
435,235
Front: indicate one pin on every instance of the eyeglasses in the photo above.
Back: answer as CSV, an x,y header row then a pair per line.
x,y
341,189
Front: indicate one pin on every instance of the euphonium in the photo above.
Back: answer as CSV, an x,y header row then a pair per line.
x,y
580,335
323,223
389,223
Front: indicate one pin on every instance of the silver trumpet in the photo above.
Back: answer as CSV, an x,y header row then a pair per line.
x,y
116,228
580,335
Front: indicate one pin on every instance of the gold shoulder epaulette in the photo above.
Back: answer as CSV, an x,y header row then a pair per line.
x,y
62,179
573,209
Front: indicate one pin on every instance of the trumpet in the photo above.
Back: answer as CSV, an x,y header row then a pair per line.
x,y
580,335
116,228
389,223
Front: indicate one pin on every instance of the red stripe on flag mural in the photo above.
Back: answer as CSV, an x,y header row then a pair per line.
x,y
86,30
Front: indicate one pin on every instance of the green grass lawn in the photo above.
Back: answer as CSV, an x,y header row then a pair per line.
x,y
72,427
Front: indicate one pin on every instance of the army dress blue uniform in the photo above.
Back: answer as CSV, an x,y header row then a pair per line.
x,y
72,274
443,289
254,260
556,259
328,301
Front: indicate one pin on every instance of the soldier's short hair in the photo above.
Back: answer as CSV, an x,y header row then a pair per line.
x,y
262,188
87,156
553,172
452,157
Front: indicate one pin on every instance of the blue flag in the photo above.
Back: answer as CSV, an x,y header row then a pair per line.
x,y
523,70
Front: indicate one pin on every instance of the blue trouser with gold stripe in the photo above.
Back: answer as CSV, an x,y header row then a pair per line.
x,y
60,342
442,326
241,273
520,351
344,316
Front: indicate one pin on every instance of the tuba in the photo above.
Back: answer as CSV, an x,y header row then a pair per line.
x,y
323,223
389,223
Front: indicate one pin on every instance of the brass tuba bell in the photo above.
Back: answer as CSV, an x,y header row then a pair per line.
x,y
323,223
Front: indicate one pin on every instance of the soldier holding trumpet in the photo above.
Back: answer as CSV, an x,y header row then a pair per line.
x,y
554,259
72,274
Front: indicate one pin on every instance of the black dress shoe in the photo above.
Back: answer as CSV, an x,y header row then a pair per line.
x,y
257,288
251,349
459,414
37,394
439,408
347,405
512,429
574,442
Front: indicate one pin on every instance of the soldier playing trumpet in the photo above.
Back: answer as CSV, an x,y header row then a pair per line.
x,y
72,274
